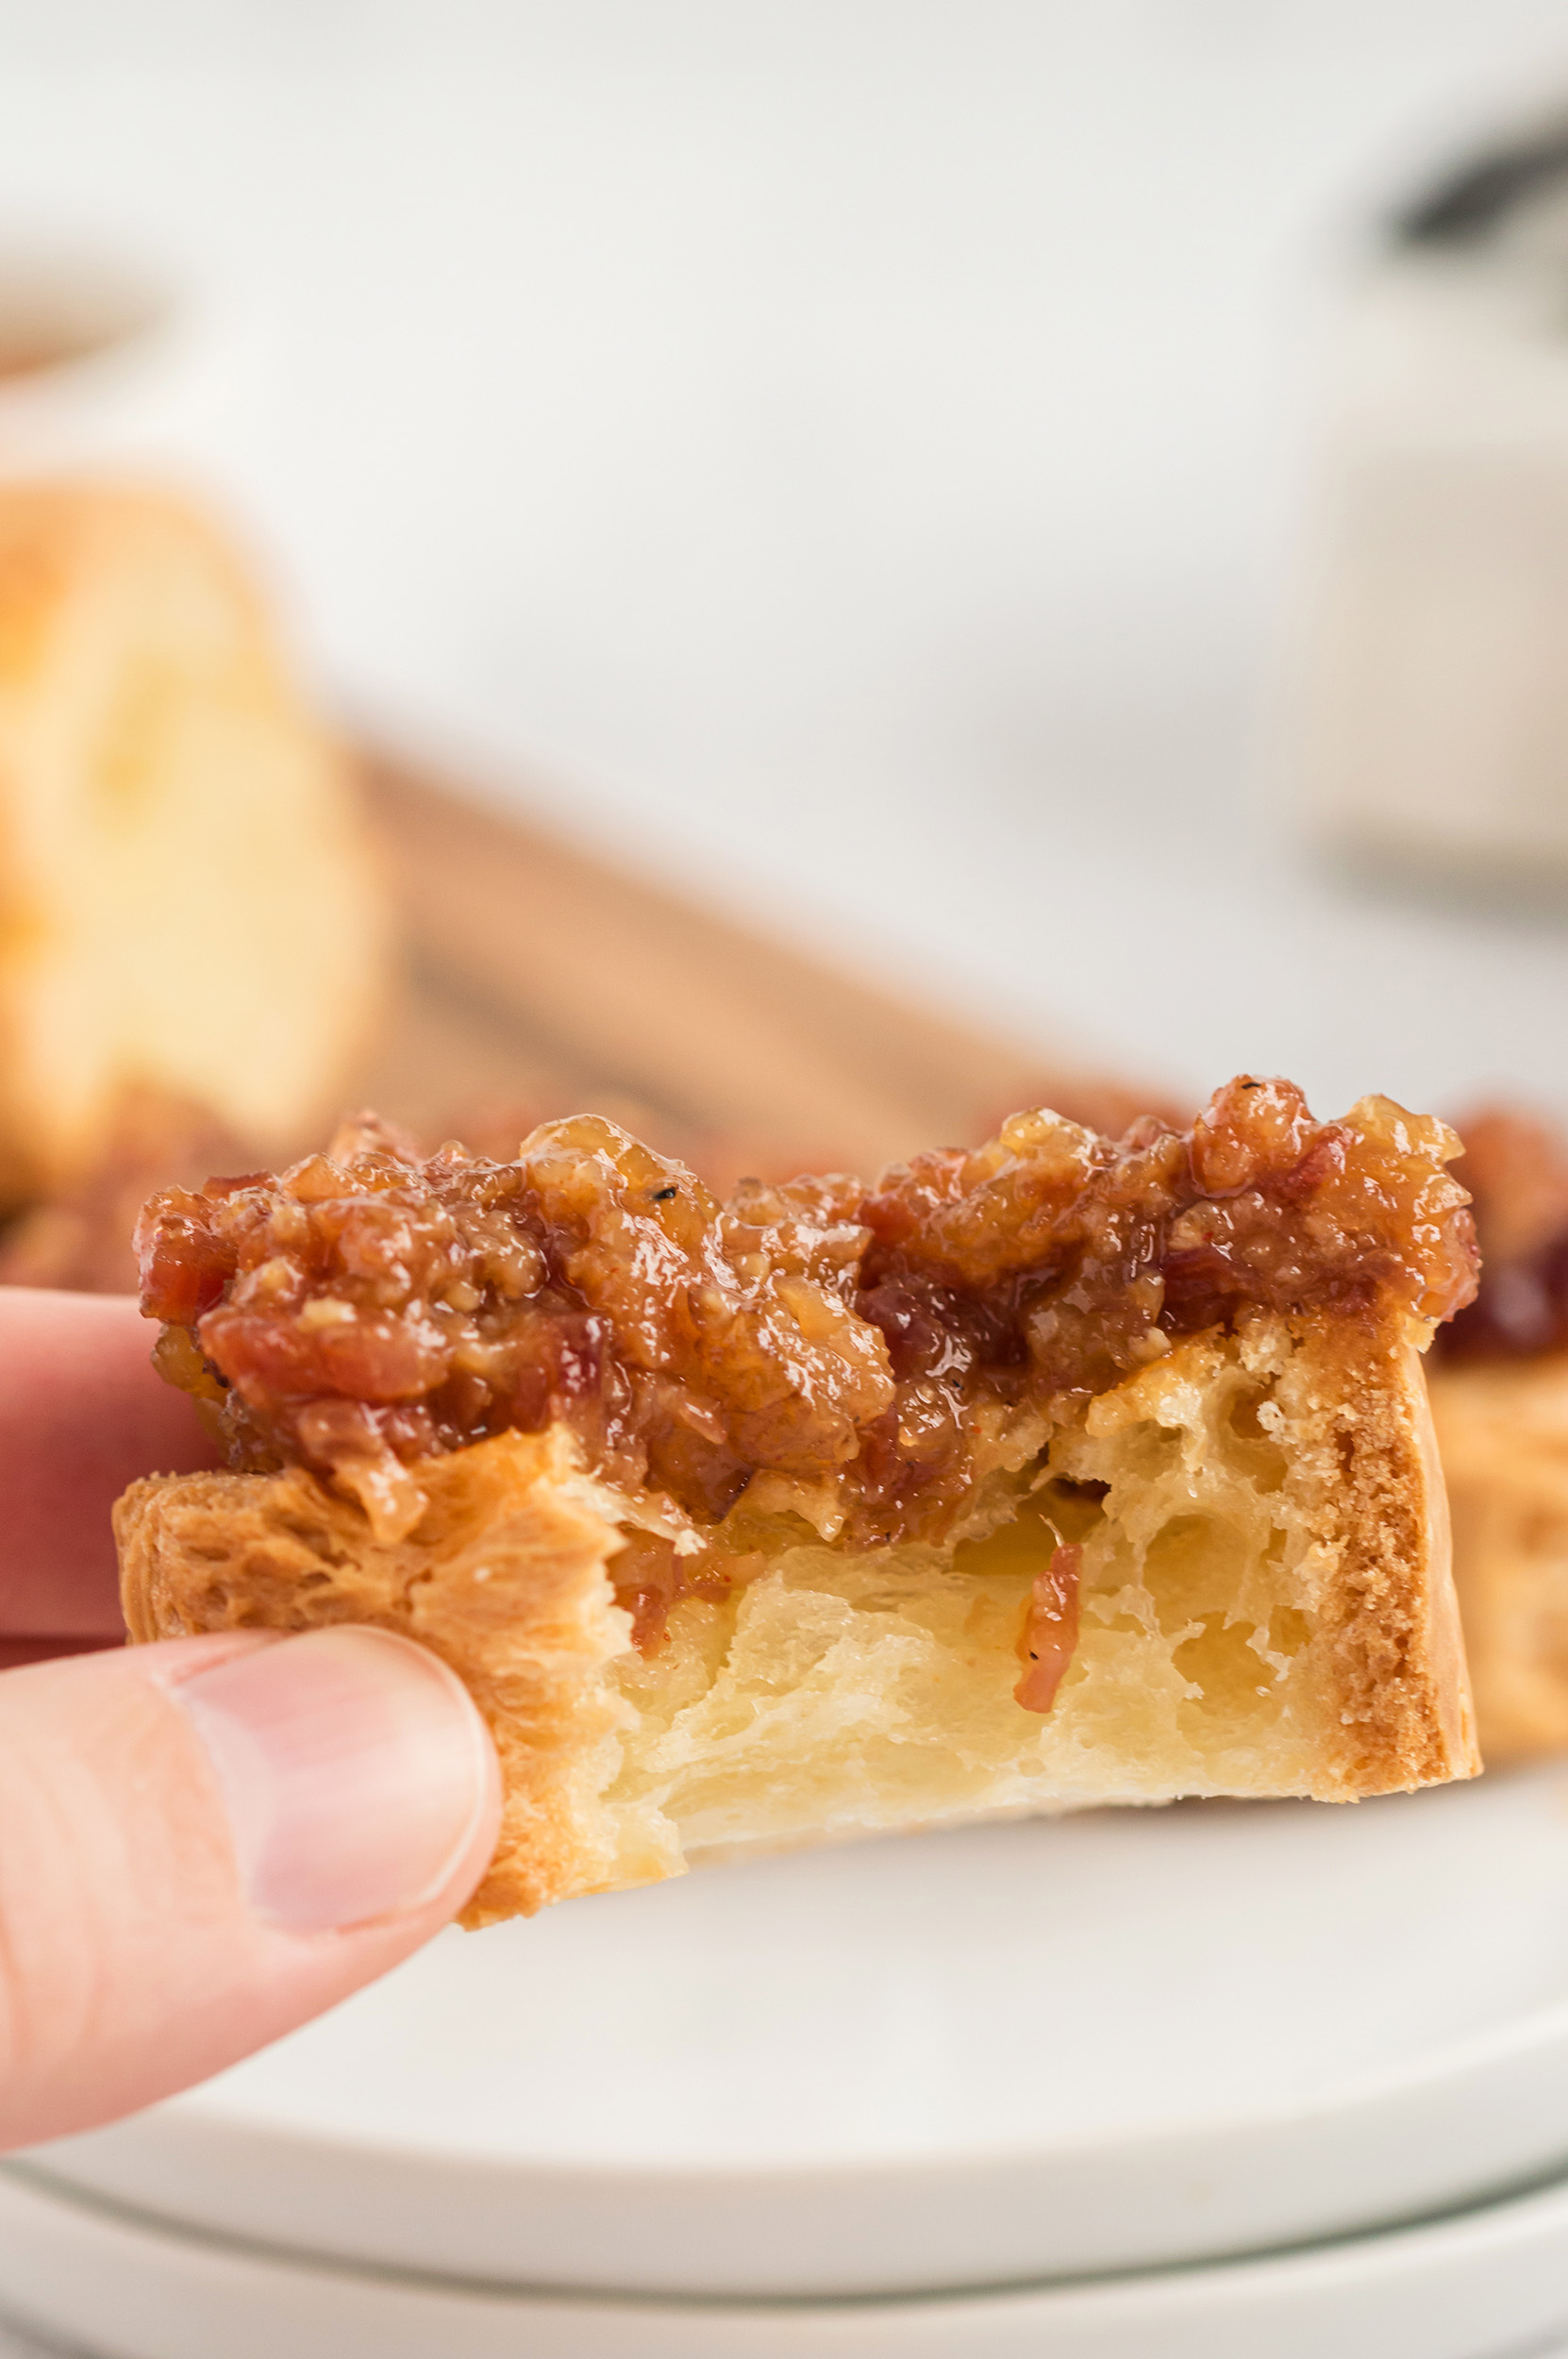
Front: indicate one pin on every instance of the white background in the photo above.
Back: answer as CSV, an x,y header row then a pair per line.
x,y
851,454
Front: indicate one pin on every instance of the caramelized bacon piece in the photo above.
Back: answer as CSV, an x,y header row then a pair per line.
x,y
1050,1630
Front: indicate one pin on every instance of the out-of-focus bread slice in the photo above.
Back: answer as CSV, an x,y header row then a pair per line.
x,y
1266,1609
1499,1389
1501,1427
186,898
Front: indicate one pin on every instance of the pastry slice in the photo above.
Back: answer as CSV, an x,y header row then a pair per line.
x,y
1499,1388
188,907
1062,1472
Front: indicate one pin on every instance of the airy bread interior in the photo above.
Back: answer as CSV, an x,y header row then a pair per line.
x,y
1265,1609
185,900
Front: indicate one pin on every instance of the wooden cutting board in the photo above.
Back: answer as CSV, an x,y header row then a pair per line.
x,y
537,975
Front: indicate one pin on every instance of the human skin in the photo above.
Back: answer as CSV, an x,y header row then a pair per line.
x,y
203,1843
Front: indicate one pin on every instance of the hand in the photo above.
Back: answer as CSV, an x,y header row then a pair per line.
x,y
204,1843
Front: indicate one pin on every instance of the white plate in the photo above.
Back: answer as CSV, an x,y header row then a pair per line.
x,y
1004,2053
1487,2285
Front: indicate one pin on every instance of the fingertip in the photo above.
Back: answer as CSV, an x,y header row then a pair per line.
x,y
359,1780
211,1840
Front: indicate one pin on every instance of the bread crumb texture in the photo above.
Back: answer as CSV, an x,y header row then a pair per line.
x,y
1265,1610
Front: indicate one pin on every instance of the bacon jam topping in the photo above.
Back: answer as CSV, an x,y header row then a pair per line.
x,y
845,1354
1516,1169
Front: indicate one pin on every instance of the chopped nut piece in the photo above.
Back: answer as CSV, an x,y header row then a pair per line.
x,y
323,1310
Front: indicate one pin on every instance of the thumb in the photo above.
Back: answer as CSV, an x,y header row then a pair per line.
x,y
206,1842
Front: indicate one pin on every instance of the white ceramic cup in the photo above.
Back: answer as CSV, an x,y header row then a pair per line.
x,y
1433,722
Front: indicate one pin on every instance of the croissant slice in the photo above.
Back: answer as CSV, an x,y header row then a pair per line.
x,y
1062,1472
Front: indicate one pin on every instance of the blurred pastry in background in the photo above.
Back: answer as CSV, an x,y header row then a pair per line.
x,y
1056,1473
82,1237
1498,1381
189,905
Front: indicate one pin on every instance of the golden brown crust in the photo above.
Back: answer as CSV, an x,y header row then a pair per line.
x,y
506,1579
1502,1427
1398,1650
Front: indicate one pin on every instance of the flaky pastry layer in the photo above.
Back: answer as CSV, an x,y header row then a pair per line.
x,y
1265,1609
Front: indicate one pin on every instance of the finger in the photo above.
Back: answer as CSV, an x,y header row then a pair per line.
x,y
206,1842
83,1412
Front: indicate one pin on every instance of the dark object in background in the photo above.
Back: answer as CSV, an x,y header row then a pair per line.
x,y
1474,199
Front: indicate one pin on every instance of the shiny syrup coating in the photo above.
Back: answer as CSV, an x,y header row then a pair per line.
x,y
367,1308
